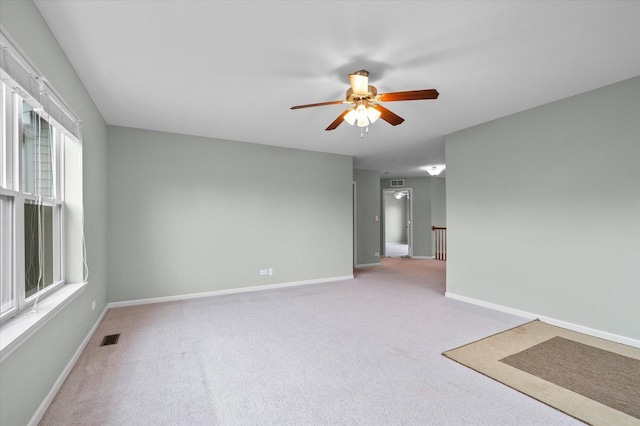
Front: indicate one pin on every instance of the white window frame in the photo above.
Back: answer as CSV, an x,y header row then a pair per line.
x,y
6,253
13,227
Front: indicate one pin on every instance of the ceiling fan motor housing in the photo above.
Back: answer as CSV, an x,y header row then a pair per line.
x,y
371,94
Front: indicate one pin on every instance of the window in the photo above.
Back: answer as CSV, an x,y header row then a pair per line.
x,y
31,202
42,256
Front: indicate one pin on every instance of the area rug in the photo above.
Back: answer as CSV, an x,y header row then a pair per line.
x,y
591,379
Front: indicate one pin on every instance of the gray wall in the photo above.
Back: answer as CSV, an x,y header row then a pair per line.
x,y
367,208
438,205
29,373
543,210
438,201
395,219
191,214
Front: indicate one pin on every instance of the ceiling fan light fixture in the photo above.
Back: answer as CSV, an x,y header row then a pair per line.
x,y
362,114
436,169
351,116
373,114
359,82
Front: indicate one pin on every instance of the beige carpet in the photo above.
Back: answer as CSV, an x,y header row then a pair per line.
x,y
591,379
366,351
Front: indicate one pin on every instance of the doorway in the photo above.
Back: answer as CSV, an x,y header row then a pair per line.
x,y
397,232
354,223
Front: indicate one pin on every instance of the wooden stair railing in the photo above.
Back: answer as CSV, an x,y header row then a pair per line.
x,y
441,242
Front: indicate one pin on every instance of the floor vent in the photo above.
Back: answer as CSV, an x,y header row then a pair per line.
x,y
111,339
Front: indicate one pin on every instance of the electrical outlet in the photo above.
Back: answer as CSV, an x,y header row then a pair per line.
x,y
270,271
263,272
376,254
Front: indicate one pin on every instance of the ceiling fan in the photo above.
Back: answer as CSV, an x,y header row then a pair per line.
x,y
365,102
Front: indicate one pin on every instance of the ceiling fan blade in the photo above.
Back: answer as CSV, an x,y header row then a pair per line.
x,y
319,104
338,120
387,115
412,95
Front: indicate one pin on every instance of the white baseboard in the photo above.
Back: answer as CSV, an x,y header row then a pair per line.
x,y
423,257
42,409
559,323
364,265
223,292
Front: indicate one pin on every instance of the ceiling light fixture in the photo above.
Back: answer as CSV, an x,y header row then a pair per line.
x,y
362,113
399,195
435,170
360,82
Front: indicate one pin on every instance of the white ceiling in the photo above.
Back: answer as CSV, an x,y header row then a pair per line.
x,y
232,69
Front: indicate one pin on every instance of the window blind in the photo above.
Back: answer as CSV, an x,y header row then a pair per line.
x,y
18,73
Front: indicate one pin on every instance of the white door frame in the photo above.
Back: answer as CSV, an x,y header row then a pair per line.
x,y
409,219
355,222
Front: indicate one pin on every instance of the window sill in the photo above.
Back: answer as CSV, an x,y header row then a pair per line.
x,y
18,329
